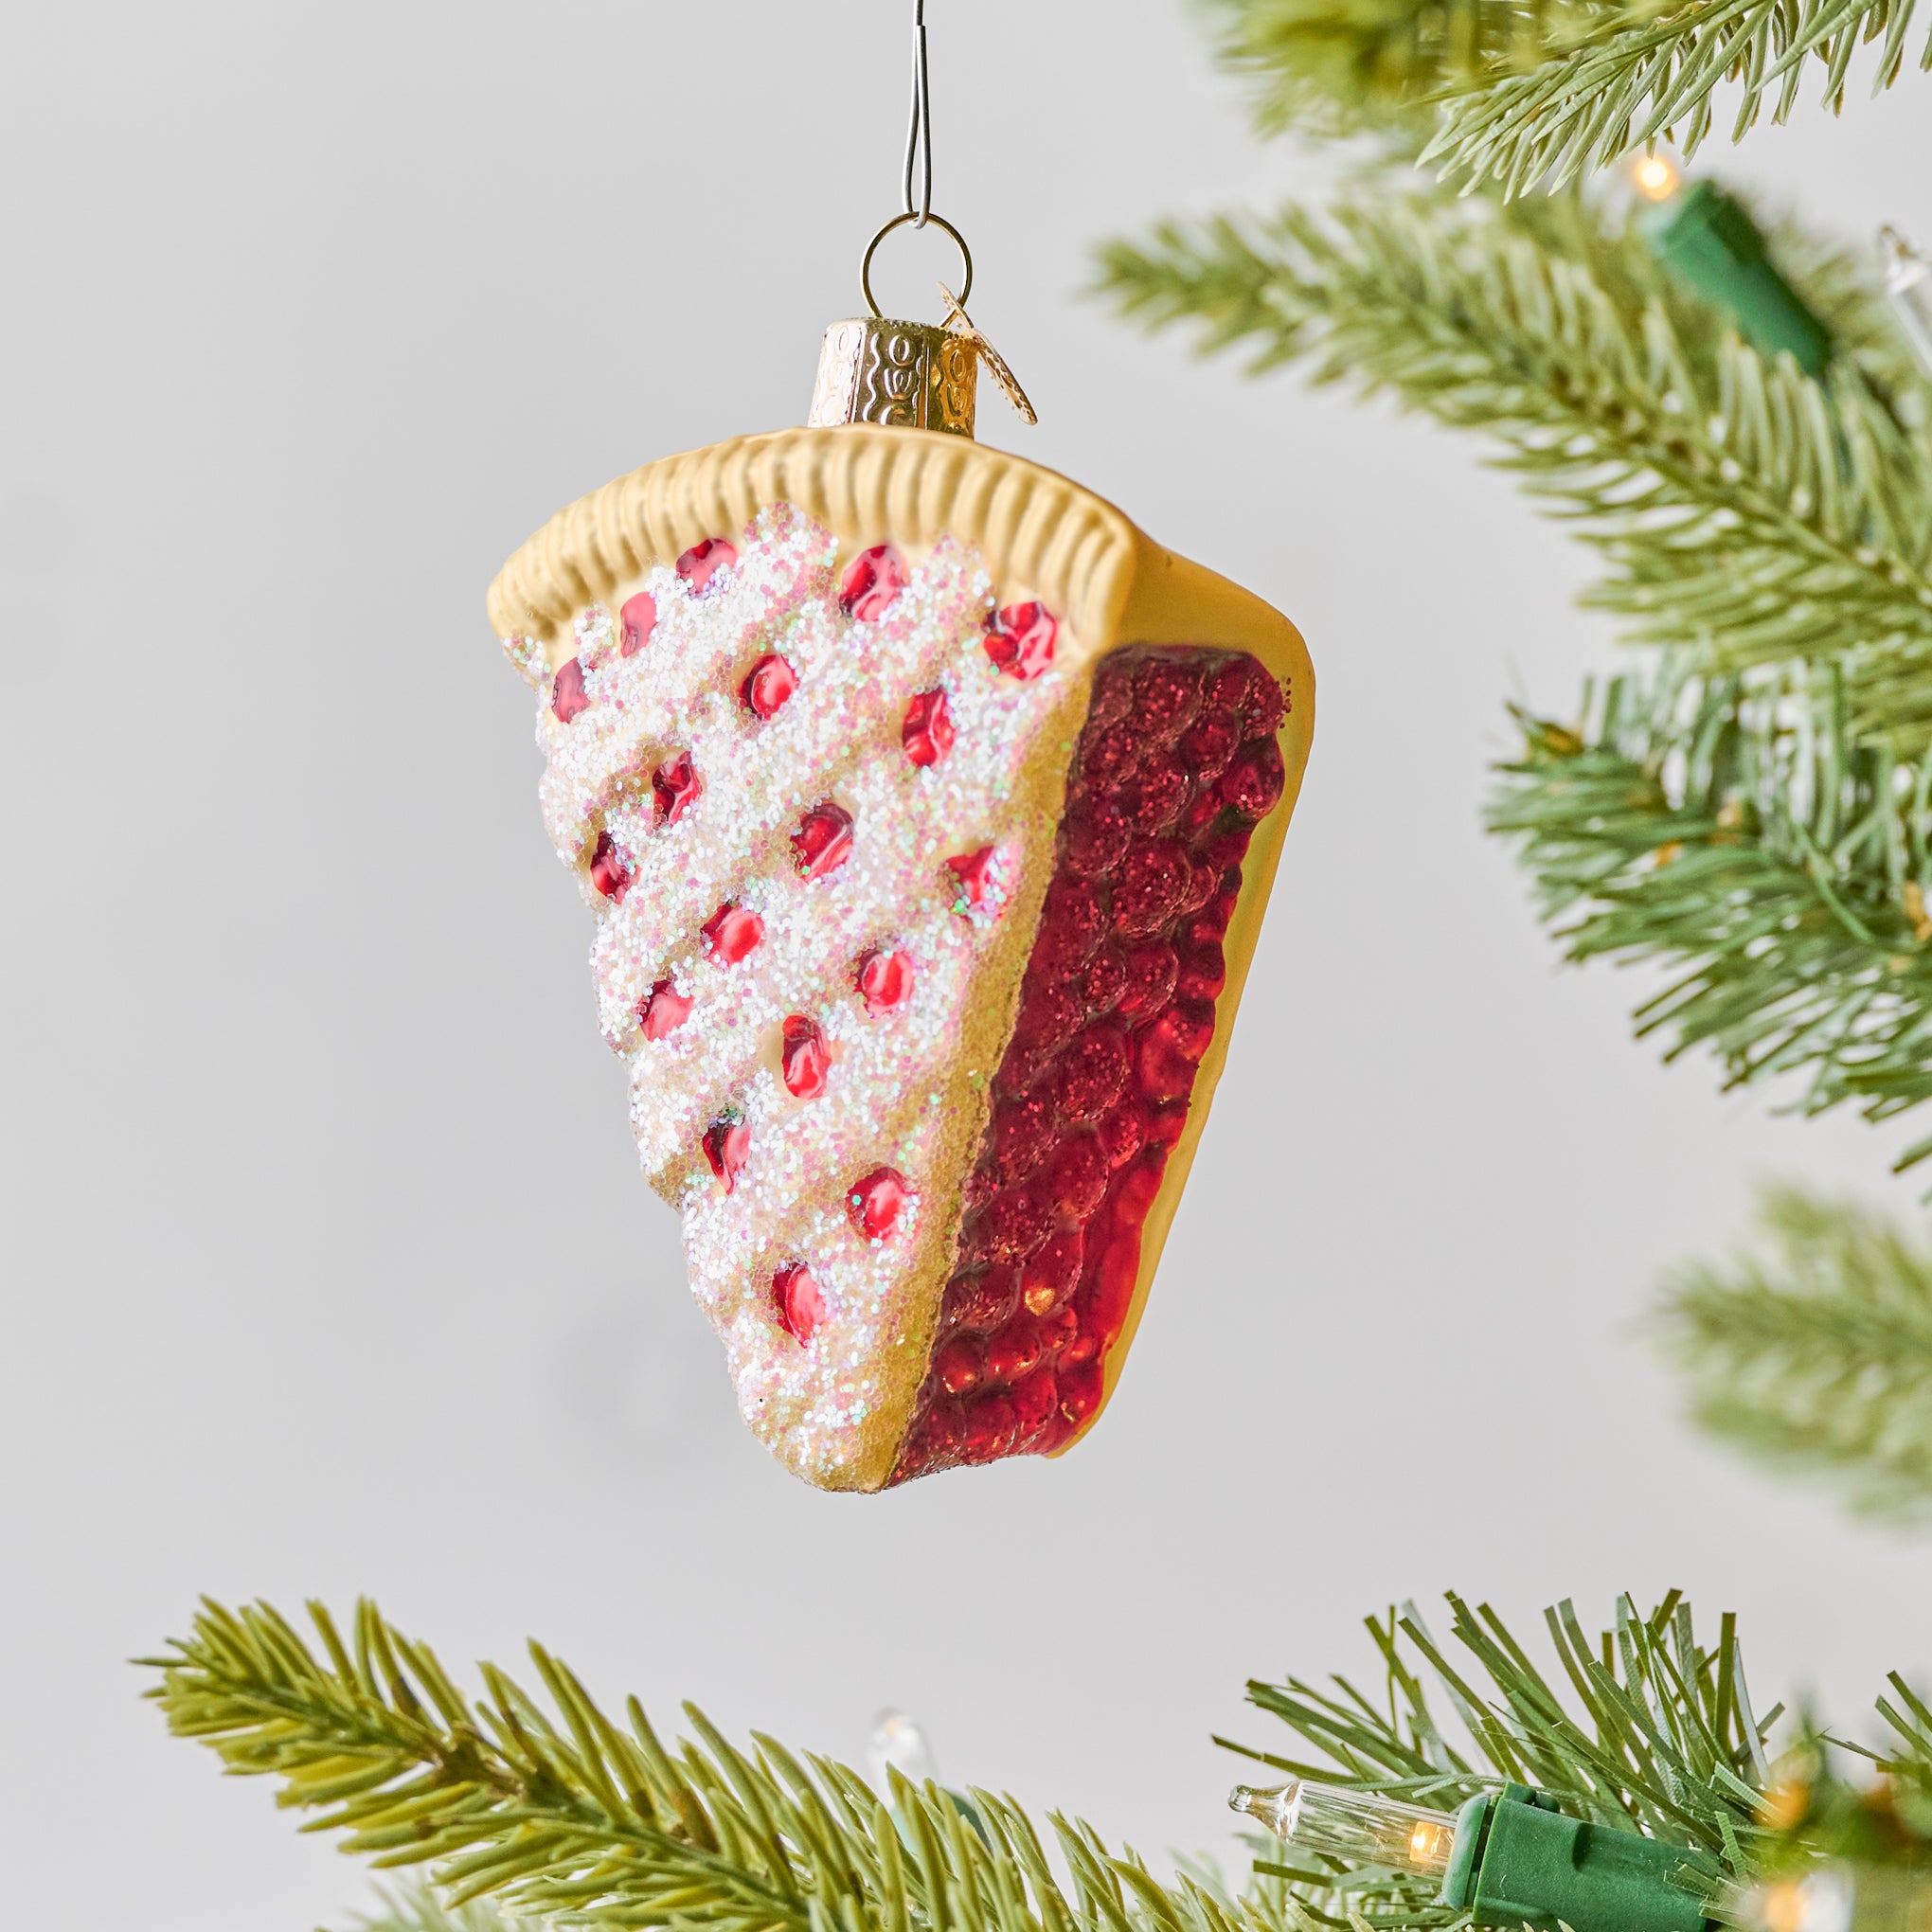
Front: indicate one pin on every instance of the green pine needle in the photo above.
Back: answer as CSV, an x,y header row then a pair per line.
x,y
416,1908
1741,509
584,1820
1733,831
1653,73
1815,1353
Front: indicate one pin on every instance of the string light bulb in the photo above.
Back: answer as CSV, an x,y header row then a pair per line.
x,y
1508,1858
1361,1827
898,1744
1655,177
1909,289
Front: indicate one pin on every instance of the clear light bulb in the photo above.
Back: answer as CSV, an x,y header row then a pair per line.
x,y
898,1744
1359,1826
1908,288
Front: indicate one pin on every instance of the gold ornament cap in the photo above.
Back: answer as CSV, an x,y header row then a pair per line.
x,y
903,375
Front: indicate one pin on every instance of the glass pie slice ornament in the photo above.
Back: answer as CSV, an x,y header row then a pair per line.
x,y
926,811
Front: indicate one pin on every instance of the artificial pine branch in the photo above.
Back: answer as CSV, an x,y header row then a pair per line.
x,y
1816,1355
416,1908
1742,509
1734,830
1329,67
1666,1743
1643,77
582,1820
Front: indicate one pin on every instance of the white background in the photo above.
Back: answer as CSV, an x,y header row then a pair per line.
x,y
327,1267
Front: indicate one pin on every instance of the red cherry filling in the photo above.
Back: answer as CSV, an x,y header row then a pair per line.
x,y
767,685
885,981
1019,639
611,870
927,733
797,1301
1176,763
636,622
872,582
877,1203
805,1056
726,1143
674,788
731,932
975,879
702,561
662,1011
823,841
568,695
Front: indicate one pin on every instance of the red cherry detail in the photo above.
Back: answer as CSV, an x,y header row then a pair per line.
x,y
1106,979
636,622
1123,1134
1171,1048
611,870
927,733
1151,972
1155,801
702,561
958,1367
1053,1013
767,685
1252,784
885,981
1201,888
1204,971
1166,1122
1092,1072
942,1435
823,841
878,1203
1019,639
726,1143
1227,849
798,1301
1072,922
806,1058
1110,758
1014,1223
1155,877
1206,746
977,879
674,786
1052,1271
732,932
1023,1132
662,1011
1093,839
989,1426
1076,1177
1014,1352
983,1300
872,582
1166,696
566,691
1132,1198
1036,1403
1078,1389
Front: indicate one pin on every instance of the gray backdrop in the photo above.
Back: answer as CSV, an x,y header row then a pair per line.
x,y
328,1266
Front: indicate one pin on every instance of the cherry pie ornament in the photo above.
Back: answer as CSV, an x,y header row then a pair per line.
x,y
927,811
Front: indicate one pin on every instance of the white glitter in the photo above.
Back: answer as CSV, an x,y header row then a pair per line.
x,y
898,1094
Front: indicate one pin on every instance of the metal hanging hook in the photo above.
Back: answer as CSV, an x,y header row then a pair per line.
x,y
919,135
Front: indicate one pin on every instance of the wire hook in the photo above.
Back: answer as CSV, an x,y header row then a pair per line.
x,y
919,137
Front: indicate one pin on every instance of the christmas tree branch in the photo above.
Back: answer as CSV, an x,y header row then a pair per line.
x,y
1665,1741
582,1820
1742,509
1734,830
416,1908
1633,80
1817,1354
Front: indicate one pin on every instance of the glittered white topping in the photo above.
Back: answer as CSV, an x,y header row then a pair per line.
x,y
906,1087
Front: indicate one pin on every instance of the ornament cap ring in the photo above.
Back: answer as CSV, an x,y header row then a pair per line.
x,y
899,221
